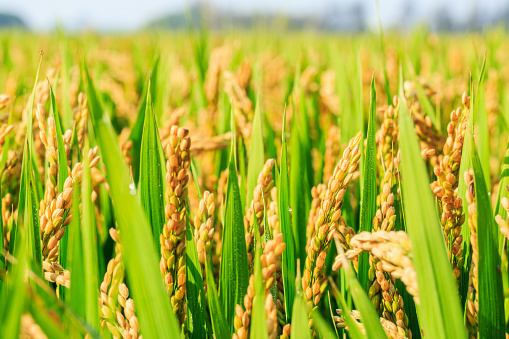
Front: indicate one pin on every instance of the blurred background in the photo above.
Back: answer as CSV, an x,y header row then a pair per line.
x,y
323,15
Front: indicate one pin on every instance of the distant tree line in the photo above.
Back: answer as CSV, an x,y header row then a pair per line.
x,y
10,20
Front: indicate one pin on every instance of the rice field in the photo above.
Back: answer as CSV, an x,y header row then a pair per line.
x,y
254,185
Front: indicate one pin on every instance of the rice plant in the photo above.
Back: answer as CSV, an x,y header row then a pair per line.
x,y
209,185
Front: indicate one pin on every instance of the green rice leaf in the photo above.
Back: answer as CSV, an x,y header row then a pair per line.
x,y
483,135
369,189
194,288
89,245
322,327
258,323
288,256
219,325
28,201
300,321
368,313
439,313
13,296
156,317
353,329
151,184
360,115
137,130
299,187
234,277
76,265
62,175
491,296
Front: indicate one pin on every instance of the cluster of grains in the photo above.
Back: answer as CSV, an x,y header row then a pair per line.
x,y
244,74
256,209
49,140
4,130
429,137
29,328
243,107
472,308
502,223
445,188
271,252
328,224
340,321
393,249
272,231
382,292
387,135
317,193
213,75
272,217
173,238
203,223
328,96
332,151
54,272
4,98
11,170
81,117
204,229
116,308
7,219
385,216
173,120
389,327
126,146
214,143
57,212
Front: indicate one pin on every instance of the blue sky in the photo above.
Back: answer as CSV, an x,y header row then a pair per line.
x,y
131,14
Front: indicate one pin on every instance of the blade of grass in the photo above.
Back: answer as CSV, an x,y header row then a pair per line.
x,y
483,136
156,318
323,328
353,329
151,174
491,297
466,164
75,259
439,311
288,256
299,188
219,325
369,189
89,245
360,115
62,175
27,208
137,130
258,323
13,298
234,277
368,313
194,288
300,320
